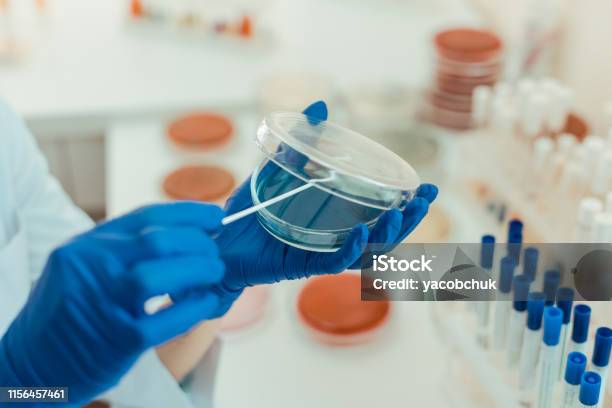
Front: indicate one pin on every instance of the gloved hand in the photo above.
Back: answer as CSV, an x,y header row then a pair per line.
x,y
253,256
84,324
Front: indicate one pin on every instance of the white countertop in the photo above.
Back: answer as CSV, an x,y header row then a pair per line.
x,y
277,364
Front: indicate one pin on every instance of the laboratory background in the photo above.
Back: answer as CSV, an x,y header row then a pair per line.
x,y
506,106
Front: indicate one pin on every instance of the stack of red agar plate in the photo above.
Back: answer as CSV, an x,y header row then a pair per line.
x,y
465,59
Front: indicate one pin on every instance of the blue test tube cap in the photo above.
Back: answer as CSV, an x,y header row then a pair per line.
x,y
487,251
530,262
515,228
515,239
535,310
580,329
576,365
589,388
565,299
506,273
552,280
520,287
553,316
603,344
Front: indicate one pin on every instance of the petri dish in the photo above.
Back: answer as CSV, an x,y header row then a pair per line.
x,y
199,182
465,59
468,45
331,309
450,119
438,101
468,69
352,180
200,131
462,85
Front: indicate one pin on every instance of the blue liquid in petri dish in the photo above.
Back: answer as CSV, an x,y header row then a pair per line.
x,y
312,219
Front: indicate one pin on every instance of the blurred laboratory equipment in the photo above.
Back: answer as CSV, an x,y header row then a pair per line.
x,y
465,59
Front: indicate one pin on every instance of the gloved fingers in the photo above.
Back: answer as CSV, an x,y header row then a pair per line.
x,y
385,232
186,213
387,227
158,243
414,212
346,256
316,112
173,276
427,191
178,318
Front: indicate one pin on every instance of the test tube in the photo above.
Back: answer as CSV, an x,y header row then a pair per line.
x,y
542,149
549,355
602,179
587,211
565,98
550,87
530,262
594,147
515,227
502,91
552,175
590,387
552,279
487,252
600,360
531,346
502,120
534,115
520,290
565,144
570,186
525,89
576,365
565,299
602,230
580,328
502,306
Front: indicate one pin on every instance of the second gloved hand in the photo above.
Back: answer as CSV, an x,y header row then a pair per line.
x,y
84,324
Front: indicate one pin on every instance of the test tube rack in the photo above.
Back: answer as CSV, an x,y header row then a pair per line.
x,y
501,196
486,377
539,162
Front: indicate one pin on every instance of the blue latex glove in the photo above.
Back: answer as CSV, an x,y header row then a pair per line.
x,y
84,324
253,256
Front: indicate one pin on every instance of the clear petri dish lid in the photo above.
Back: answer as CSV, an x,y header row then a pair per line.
x,y
337,160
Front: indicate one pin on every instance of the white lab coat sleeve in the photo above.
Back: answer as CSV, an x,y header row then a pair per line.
x,y
47,213
156,390
50,218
